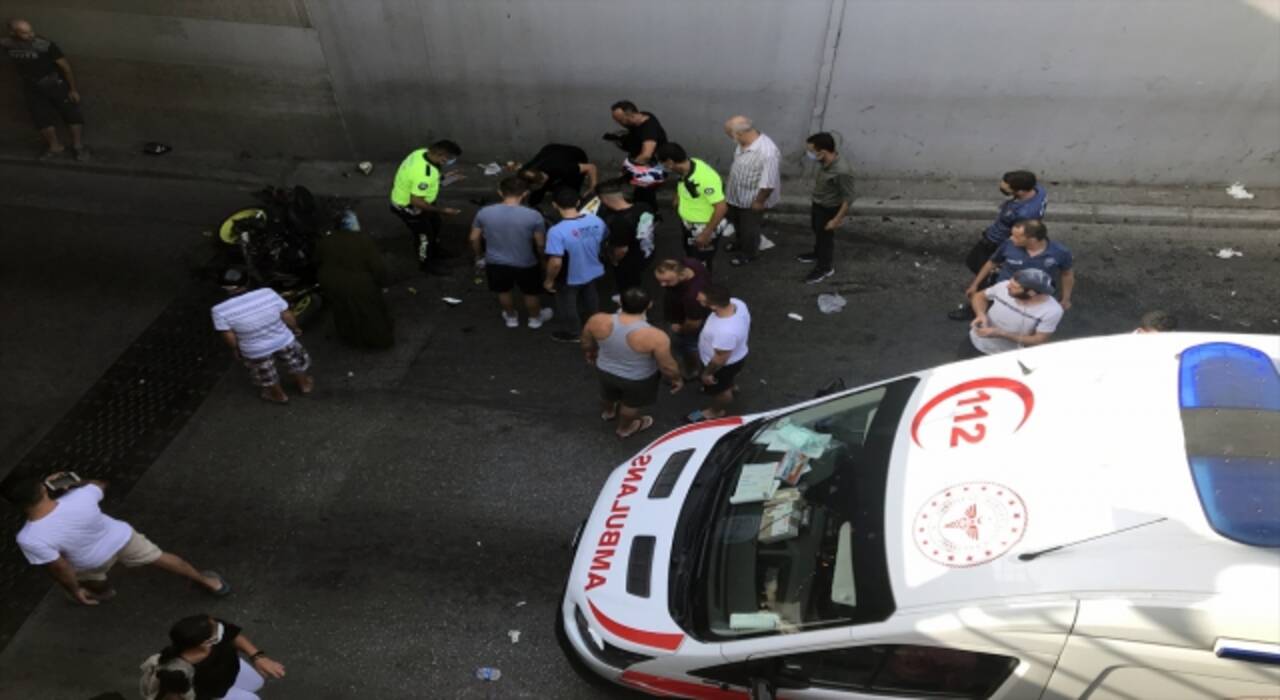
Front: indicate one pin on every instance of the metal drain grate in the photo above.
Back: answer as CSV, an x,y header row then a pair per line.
x,y
119,427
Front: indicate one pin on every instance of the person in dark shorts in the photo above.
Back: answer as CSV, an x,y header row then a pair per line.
x,y
554,166
629,245
413,200
510,238
722,346
641,137
629,354
48,85
683,280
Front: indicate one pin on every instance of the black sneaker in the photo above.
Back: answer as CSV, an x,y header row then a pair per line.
x,y
807,258
566,337
964,312
818,275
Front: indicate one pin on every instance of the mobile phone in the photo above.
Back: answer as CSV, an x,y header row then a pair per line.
x,y
62,482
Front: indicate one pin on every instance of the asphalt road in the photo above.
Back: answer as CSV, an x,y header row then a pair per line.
x,y
384,535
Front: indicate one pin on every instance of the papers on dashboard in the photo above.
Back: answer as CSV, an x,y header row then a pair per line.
x,y
753,621
756,483
785,437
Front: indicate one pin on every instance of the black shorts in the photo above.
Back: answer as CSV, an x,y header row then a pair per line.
x,y
503,278
724,378
49,100
632,393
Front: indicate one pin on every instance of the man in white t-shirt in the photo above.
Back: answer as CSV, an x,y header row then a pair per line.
x,y
260,329
722,347
77,543
1017,313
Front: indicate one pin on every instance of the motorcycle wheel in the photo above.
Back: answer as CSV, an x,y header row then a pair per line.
x,y
227,231
306,308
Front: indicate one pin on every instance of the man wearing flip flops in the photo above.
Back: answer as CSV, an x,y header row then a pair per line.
x,y
260,329
722,346
78,544
629,355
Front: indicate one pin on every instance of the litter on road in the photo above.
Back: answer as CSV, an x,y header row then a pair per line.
x,y
1237,191
488,673
365,167
490,169
451,301
514,635
1228,253
831,303
795,316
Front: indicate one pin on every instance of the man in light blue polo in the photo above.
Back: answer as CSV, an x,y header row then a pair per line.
x,y
573,265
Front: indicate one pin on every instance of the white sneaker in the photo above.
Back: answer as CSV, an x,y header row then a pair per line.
x,y
512,321
543,316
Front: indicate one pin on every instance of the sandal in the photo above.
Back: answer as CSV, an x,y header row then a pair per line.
x,y
269,398
224,588
306,386
645,422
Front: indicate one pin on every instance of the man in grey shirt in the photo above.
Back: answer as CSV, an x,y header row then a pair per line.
x,y
1017,313
628,355
507,239
832,197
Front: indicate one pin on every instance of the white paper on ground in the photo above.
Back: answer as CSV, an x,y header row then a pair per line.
x,y
1228,253
1237,191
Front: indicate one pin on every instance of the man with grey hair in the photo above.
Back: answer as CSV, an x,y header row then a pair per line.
x,y
754,185
48,85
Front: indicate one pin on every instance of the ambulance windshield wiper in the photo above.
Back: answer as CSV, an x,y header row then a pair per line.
x,y
1030,556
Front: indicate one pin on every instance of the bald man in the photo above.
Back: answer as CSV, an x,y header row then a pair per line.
x,y
48,85
753,187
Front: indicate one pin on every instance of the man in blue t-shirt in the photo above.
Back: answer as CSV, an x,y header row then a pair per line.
x,y
1026,200
1028,248
577,237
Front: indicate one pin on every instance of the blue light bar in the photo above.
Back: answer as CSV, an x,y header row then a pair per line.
x,y
1244,650
1227,375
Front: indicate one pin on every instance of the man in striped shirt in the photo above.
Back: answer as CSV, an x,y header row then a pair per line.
x,y
754,185
260,329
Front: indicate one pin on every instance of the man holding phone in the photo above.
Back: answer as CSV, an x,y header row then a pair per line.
x,y
78,544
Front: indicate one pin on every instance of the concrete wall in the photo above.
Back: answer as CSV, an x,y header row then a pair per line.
x,y
238,76
1097,90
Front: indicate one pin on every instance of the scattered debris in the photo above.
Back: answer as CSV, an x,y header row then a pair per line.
x,y
795,316
515,391
155,148
490,169
1228,253
488,673
351,374
365,167
1237,191
413,290
1215,317
478,543
514,635
765,243
763,381
521,604
1244,324
207,234
831,303
451,301
1233,292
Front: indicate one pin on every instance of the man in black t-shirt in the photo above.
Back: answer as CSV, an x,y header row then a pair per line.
x,y
48,85
630,242
641,138
557,165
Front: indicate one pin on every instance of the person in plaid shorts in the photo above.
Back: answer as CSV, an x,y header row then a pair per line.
x,y
261,330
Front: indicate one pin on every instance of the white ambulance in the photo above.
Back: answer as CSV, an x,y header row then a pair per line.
x,y
1096,518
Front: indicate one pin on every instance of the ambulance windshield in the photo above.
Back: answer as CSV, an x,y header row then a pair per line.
x,y
796,525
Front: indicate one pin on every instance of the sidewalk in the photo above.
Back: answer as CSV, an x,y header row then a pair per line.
x,y
1207,206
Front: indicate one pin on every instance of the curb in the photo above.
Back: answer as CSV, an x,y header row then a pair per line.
x,y
790,206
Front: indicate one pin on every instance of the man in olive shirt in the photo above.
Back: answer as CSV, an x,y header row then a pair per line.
x,y
413,198
700,202
832,197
